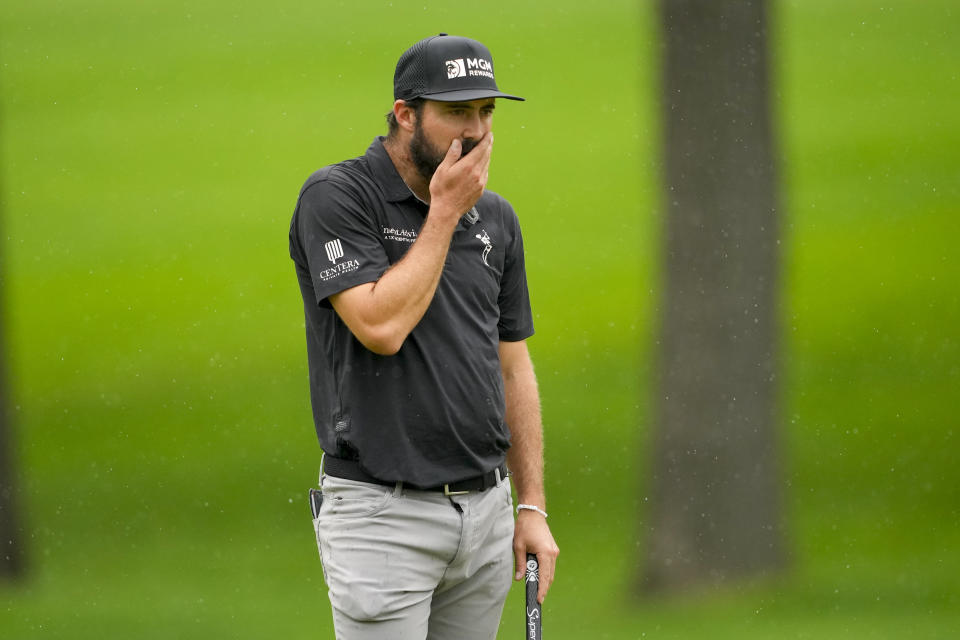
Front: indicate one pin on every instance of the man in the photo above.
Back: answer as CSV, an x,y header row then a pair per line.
x,y
423,393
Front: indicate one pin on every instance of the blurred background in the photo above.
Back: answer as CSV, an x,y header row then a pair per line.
x,y
157,424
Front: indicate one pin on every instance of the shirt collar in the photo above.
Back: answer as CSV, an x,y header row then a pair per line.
x,y
394,188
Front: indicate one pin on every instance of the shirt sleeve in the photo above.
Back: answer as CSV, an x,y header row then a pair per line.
x,y
334,239
516,317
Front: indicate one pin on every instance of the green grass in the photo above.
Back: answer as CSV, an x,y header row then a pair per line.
x,y
150,157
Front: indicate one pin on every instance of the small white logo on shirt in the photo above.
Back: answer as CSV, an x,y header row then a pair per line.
x,y
399,235
487,245
334,250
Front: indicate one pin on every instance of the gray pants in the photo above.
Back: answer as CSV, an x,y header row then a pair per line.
x,y
401,563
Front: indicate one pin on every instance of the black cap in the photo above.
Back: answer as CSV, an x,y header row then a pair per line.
x,y
448,69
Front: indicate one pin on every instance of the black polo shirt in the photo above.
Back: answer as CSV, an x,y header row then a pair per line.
x,y
433,412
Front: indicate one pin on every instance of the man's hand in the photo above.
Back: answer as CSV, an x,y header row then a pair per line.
x,y
459,181
532,535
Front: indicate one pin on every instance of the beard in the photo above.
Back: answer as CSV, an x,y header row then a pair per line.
x,y
426,156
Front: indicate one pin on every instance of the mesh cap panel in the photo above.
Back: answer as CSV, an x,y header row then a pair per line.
x,y
410,79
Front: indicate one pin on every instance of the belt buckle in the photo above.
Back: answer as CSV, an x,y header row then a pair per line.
x,y
447,492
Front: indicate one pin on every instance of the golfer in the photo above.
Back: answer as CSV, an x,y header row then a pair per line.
x,y
424,396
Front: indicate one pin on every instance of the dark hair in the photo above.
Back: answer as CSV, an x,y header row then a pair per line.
x,y
414,103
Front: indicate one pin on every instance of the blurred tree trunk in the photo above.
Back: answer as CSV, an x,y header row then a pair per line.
x,y
716,512
11,551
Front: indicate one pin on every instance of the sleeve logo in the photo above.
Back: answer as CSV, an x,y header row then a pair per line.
x,y
334,250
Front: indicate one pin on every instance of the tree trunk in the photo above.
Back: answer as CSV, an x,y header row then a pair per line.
x,y
716,512
11,551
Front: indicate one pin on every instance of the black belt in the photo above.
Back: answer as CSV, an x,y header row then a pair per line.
x,y
350,470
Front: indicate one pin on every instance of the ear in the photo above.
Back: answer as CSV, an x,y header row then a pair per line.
x,y
406,117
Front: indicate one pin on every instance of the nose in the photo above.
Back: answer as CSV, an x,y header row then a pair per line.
x,y
475,127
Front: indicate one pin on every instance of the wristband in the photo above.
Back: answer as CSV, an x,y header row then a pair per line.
x,y
530,507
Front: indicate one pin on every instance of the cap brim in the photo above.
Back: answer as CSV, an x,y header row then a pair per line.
x,y
463,95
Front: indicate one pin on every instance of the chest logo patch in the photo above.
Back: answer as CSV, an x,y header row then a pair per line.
x,y
487,245
399,235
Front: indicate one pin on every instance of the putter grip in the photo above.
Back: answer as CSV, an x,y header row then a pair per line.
x,y
532,624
